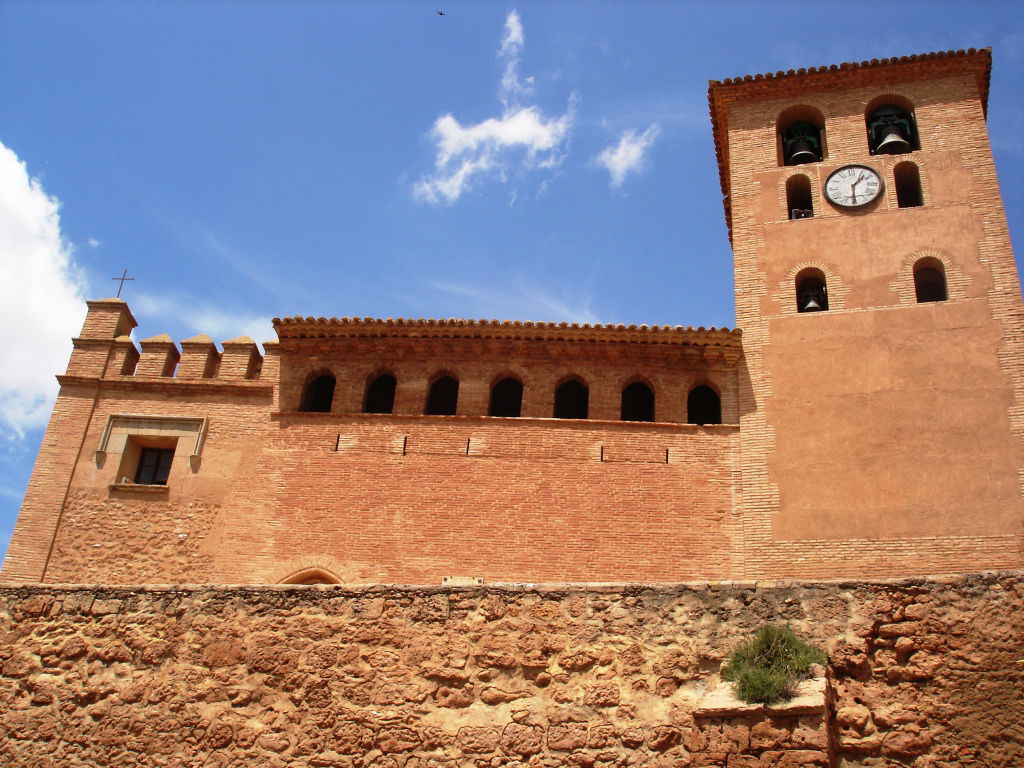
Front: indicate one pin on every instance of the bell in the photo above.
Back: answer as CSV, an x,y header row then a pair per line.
x,y
892,142
803,152
812,305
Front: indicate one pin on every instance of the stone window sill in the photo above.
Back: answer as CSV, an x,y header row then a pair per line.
x,y
137,488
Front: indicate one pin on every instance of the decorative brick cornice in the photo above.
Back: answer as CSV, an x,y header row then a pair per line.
x,y
801,82
171,385
345,327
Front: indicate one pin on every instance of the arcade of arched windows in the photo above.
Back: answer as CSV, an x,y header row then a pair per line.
x,y
508,395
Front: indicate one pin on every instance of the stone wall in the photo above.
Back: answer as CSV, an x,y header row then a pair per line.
x,y
924,673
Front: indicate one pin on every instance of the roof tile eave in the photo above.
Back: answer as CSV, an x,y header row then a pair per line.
x,y
299,327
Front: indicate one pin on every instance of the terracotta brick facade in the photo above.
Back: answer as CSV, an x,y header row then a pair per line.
x,y
882,437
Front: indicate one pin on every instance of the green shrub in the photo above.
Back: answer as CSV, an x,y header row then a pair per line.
x,y
765,667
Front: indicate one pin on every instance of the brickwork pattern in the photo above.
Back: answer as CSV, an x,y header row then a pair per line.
x,y
856,249
924,674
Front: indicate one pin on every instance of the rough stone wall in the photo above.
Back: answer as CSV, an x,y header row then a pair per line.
x,y
924,673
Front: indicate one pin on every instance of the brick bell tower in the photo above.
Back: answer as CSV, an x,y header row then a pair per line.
x,y
881,401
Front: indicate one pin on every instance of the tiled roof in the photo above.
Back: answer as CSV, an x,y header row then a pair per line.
x,y
333,327
722,93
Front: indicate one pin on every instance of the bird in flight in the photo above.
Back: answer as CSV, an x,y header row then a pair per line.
x,y
440,13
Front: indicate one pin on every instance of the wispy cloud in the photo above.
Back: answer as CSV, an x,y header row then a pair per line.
x,y
519,301
629,155
213,321
41,299
522,138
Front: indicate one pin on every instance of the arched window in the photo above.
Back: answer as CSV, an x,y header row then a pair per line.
x,y
811,291
908,185
443,397
801,132
506,398
637,403
572,400
892,129
380,394
703,406
798,197
312,576
319,395
929,280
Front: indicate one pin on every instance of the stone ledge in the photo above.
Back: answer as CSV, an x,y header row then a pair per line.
x,y
138,488
808,699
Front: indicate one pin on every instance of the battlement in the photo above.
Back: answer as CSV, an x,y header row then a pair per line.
x,y
105,350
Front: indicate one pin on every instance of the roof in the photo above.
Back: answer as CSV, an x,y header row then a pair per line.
x,y
924,66
345,327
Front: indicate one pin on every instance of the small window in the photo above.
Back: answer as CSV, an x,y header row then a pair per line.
x,y
637,403
443,397
312,576
908,185
801,131
811,291
506,398
319,395
154,466
892,129
380,394
798,197
703,406
572,400
929,281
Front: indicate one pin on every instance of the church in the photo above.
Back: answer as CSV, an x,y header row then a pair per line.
x,y
864,419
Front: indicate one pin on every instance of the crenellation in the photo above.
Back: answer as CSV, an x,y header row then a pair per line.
x,y
200,358
241,359
159,357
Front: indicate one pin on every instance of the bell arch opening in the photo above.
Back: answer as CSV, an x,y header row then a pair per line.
x,y
811,291
908,185
798,197
929,280
801,135
891,126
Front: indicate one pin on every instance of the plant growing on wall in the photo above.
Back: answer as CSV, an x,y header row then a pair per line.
x,y
765,667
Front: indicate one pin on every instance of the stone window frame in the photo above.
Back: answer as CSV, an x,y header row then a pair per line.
x,y
153,428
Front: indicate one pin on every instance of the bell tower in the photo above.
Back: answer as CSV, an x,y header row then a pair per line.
x,y
881,399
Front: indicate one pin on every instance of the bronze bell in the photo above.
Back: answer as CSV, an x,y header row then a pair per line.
x,y
801,152
812,305
892,142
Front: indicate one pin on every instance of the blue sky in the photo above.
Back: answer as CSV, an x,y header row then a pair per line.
x,y
539,160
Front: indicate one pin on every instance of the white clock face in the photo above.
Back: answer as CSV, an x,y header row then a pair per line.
x,y
853,186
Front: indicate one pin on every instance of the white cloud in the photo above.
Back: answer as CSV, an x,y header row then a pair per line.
x,y
521,139
41,299
93,242
629,155
217,323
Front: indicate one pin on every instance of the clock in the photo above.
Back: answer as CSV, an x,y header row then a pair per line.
x,y
853,186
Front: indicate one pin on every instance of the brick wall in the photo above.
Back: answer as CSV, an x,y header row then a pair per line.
x,y
883,434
